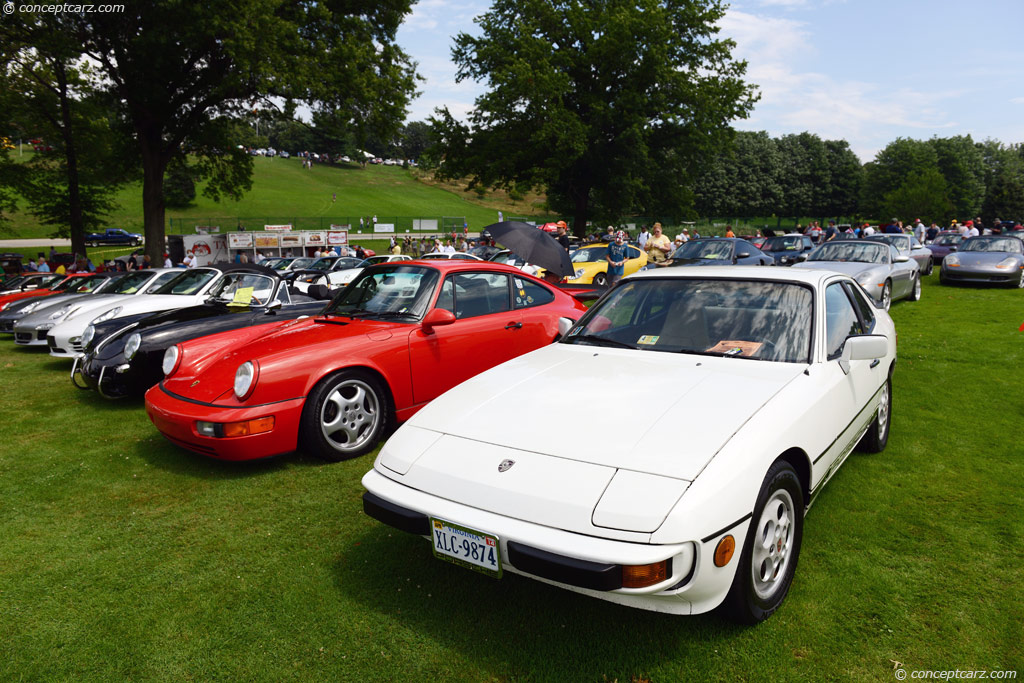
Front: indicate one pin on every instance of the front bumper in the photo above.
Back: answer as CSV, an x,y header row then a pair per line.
x,y
580,563
29,337
64,347
176,418
982,276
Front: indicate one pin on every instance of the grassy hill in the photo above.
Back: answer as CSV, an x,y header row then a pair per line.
x,y
284,192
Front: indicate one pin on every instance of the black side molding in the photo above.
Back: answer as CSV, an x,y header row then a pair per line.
x,y
593,575
397,516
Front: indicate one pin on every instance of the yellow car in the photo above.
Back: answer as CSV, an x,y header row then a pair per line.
x,y
591,266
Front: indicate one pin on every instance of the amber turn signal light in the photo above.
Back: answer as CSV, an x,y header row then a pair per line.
x,y
644,575
260,425
724,551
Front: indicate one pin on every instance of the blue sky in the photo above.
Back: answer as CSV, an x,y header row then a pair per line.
x,y
867,71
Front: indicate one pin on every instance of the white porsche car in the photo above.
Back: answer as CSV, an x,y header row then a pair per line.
x,y
742,391
185,288
340,278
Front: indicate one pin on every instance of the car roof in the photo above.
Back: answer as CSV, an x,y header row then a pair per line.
x,y
811,276
456,265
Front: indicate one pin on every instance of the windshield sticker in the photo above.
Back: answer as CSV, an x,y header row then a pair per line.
x,y
731,347
243,297
576,331
648,339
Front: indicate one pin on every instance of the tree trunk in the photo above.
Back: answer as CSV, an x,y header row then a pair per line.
x,y
76,226
153,166
579,219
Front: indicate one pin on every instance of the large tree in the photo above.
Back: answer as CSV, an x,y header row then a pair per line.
x,y
184,72
742,181
1004,181
610,106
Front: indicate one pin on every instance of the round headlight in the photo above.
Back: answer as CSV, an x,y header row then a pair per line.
x,y
131,345
245,380
172,358
1008,262
60,312
579,273
31,307
103,317
952,260
88,335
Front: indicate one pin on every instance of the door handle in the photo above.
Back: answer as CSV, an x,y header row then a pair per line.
x,y
874,363
513,326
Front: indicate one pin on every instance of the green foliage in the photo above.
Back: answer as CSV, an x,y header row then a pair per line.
x,y
179,185
9,182
890,169
610,106
961,164
1004,181
922,194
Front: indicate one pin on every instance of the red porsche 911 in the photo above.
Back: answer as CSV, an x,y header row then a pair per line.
x,y
397,337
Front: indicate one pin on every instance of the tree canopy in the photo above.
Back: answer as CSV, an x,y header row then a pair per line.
x,y
609,106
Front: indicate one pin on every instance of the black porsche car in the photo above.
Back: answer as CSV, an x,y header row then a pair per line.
x,y
123,357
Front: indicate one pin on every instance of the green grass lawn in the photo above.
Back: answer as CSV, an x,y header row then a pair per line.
x,y
124,557
283,191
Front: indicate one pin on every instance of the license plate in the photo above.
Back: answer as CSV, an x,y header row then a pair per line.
x,y
466,547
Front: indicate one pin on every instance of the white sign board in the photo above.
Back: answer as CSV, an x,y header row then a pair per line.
x,y
424,224
240,240
277,227
207,248
383,227
337,237
316,239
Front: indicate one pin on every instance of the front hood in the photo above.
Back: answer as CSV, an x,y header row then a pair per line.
x,y
275,350
851,268
650,412
981,259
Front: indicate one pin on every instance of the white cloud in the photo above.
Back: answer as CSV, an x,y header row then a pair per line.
x,y
1017,100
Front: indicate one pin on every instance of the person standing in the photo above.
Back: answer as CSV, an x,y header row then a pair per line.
x,y
501,217
616,256
932,232
190,260
658,246
642,236
831,232
972,229
728,232
919,230
41,265
562,237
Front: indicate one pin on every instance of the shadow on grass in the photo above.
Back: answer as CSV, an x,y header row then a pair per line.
x,y
515,626
164,455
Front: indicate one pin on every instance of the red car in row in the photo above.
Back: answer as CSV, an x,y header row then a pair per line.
x,y
397,337
37,284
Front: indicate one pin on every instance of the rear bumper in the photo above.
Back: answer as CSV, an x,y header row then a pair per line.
x,y
176,419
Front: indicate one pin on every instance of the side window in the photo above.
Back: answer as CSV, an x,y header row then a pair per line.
x,y
282,295
864,307
840,320
480,294
446,299
808,244
527,294
633,252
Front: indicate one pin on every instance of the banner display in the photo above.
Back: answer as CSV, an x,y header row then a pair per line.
x,y
383,227
293,240
240,240
267,241
207,249
337,238
278,227
207,229
425,224
316,239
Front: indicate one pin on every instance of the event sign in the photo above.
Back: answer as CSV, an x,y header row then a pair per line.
x,y
240,240
278,227
267,241
337,238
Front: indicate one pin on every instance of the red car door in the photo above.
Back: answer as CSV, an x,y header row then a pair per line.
x,y
487,331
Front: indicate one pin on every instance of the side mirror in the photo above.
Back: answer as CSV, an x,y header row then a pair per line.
x,y
274,305
437,317
863,347
952,248
743,254
801,257
564,325
902,258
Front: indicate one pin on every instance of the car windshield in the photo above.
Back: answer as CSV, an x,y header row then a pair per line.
x,y
133,282
371,260
300,263
715,250
508,258
45,281
901,242
244,289
734,318
1001,244
67,285
322,263
277,263
188,282
784,243
83,285
861,252
589,254
435,256
401,292
947,240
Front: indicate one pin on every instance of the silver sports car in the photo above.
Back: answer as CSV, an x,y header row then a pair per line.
x,y
908,246
989,259
882,271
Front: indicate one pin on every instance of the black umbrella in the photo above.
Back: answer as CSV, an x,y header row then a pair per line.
x,y
533,245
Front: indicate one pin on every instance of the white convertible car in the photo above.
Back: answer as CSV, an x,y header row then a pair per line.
x,y
739,392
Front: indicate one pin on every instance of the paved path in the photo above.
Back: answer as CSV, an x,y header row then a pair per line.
x,y
18,244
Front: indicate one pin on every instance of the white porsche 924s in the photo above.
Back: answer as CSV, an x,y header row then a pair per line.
x,y
737,393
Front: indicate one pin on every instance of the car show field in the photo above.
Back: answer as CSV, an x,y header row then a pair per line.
x,y
127,557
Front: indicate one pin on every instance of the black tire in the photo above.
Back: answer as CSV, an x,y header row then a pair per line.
x,y
877,436
930,266
601,280
344,416
771,550
887,295
133,243
915,289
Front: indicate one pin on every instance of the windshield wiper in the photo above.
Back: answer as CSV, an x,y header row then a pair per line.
x,y
601,341
395,314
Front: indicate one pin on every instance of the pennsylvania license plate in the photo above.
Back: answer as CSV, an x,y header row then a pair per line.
x,y
467,547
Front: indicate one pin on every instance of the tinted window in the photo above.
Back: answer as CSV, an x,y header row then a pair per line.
x,y
188,282
527,294
840,320
864,306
